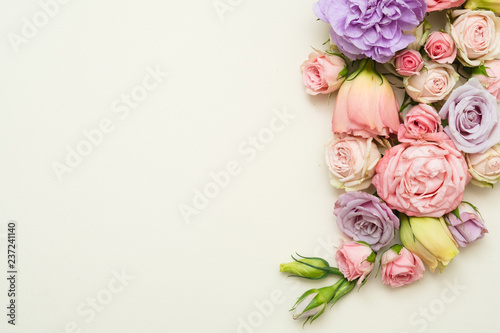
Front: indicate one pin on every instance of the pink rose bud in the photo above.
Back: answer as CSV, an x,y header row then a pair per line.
x,y
441,48
401,267
422,122
492,81
355,260
408,63
323,73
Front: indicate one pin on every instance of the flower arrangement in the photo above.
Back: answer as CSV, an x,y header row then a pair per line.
x,y
404,167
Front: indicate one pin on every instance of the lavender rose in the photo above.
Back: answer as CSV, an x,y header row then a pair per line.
x,y
371,28
472,114
366,218
469,228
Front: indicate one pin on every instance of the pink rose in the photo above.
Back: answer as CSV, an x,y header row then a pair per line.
x,y
476,34
366,105
422,178
422,122
355,260
351,161
401,269
441,48
408,62
433,5
321,73
492,81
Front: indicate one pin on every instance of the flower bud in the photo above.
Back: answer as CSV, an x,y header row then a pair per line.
x,y
430,239
366,105
492,5
313,302
466,224
309,268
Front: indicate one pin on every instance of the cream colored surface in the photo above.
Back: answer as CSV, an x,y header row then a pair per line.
x,y
107,249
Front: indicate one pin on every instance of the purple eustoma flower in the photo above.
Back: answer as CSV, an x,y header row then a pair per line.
x,y
371,28
366,218
469,228
472,114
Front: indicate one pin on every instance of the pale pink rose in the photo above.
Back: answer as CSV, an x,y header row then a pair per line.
x,y
321,73
422,178
408,62
351,161
434,83
441,48
485,167
476,34
366,105
401,269
352,260
433,5
492,81
422,122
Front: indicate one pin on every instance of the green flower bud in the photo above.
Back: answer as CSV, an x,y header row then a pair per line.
x,y
309,268
493,5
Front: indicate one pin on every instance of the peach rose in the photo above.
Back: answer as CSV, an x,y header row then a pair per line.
x,y
492,81
355,260
433,84
408,62
366,104
441,48
434,5
321,73
401,267
485,167
476,34
422,178
351,161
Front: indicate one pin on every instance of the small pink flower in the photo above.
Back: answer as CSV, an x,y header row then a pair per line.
x,y
408,63
492,81
422,122
352,259
321,73
441,48
435,5
401,269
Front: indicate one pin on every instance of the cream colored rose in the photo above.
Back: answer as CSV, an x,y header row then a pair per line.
x,y
351,161
485,167
477,35
435,83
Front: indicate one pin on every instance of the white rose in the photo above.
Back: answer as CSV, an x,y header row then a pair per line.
x,y
435,83
477,35
351,161
485,167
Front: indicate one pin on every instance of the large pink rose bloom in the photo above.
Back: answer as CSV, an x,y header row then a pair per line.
x,y
401,269
492,81
433,5
366,105
422,178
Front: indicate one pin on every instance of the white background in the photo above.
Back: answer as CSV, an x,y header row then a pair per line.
x,y
117,212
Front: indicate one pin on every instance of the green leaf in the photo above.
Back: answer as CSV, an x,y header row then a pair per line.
x,y
397,248
456,212
444,122
479,70
371,258
343,72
